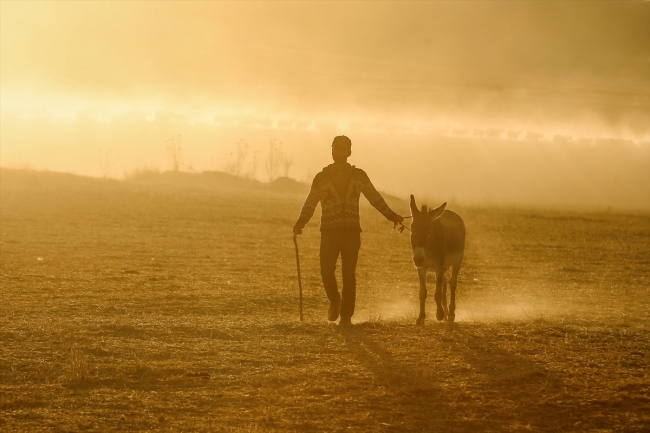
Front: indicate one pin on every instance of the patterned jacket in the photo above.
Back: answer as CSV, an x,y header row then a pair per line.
x,y
341,213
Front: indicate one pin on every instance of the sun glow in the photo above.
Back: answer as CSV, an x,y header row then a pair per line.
x,y
126,76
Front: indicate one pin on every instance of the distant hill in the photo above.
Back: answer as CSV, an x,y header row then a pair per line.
x,y
16,179
19,179
179,179
286,184
153,180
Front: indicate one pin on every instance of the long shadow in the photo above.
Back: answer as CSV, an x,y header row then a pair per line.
x,y
429,404
514,381
419,408
539,394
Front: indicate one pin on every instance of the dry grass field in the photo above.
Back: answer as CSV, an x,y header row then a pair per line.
x,y
170,303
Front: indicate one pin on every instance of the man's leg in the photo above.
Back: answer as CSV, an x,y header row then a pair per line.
x,y
349,255
329,254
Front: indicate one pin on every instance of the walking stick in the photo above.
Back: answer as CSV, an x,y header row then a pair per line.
x,y
295,242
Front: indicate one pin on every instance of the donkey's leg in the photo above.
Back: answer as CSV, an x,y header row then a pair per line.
x,y
444,295
440,278
452,285
422,275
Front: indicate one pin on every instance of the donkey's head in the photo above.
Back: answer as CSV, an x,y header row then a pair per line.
x,y
421,229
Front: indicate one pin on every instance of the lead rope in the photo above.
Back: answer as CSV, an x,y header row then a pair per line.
x,y
402,226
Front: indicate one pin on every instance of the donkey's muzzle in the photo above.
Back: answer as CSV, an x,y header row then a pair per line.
x,y
418,257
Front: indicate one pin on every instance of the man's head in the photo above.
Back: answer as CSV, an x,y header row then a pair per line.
x,y
341,148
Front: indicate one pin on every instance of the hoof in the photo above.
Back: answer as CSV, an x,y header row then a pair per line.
x,y
451,317
440,315
420,321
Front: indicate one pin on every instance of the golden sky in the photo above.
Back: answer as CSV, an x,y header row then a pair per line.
x,y
435,60
579,69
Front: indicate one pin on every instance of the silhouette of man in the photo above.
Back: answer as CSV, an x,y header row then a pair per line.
x,y
338,188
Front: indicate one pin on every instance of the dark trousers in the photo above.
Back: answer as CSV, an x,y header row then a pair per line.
x,y
347,244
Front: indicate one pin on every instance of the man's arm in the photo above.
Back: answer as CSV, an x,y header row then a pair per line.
x,y
308,208
375,199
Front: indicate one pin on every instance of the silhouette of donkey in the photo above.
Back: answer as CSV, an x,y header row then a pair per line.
x,y
438,241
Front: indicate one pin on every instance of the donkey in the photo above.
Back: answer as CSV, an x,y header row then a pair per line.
x,y
438,241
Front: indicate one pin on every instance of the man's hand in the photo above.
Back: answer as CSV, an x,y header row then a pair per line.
x,y
297,231
398,220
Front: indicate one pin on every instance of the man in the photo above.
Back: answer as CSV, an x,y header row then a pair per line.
x,y
338,188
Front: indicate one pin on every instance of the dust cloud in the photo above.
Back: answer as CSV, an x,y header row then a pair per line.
x,y
480,102
513,305
471,311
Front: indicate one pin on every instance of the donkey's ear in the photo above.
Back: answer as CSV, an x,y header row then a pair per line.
x,y
437,211
414,207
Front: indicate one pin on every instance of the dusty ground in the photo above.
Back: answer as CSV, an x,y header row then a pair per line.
x,y
171,306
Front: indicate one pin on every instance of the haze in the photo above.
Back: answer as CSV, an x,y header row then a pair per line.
x,y
533,103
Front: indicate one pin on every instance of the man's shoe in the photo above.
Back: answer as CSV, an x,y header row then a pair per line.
x,y
345,321
333,312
